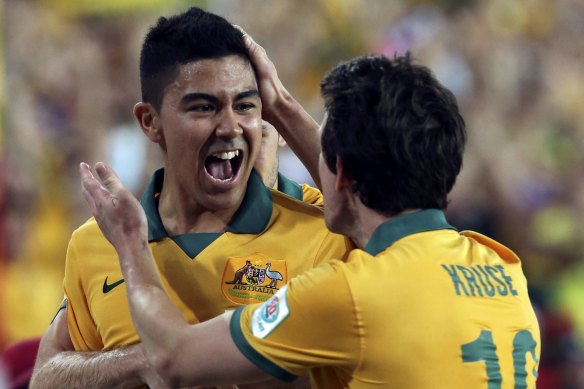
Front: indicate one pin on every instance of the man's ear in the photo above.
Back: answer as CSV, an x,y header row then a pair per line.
x,y
341,180
149,121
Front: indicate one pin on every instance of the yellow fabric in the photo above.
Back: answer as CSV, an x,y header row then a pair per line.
x,y
296,236
312,195
399,319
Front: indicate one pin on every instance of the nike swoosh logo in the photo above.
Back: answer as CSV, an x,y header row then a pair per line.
x,y
108,287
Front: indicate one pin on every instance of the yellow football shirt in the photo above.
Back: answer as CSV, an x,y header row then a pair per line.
x,y
422,306
271,238
304,192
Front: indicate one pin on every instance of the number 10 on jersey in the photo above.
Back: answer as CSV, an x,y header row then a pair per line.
x,y
483,349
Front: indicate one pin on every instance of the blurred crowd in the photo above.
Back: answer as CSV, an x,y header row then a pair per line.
x,y
516,67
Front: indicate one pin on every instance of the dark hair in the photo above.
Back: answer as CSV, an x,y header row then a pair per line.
x,y
186,37
397,131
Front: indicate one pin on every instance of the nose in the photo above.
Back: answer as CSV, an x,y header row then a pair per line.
x,y
228,126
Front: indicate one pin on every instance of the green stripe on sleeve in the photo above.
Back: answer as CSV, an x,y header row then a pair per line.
x,y
250,353
63,306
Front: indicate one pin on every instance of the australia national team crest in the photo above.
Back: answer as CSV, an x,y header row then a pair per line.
x,y
253,278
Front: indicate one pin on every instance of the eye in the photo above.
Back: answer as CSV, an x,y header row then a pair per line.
x,y
245,106
201,108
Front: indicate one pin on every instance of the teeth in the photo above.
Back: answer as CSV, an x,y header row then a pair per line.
x,y
226,154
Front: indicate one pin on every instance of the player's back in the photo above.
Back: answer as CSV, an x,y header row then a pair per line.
x,y
441,309
421,306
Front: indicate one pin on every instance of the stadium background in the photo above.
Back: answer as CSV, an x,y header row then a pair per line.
x,y
70,79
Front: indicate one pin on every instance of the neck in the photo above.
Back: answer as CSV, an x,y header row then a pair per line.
x,y
181,213
368,220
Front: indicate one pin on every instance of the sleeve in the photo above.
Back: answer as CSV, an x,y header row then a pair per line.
x,y
312,195
312,322
82,328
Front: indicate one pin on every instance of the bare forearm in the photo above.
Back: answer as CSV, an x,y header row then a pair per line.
x,y
158,321
118,368
300,131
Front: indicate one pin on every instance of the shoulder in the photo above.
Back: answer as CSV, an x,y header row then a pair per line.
x,y
501,250
325,277
304,224
89,236
311,195
87,229
356,264
295,208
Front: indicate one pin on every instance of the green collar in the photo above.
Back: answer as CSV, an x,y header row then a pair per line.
x,y
394,229
289,187
252,217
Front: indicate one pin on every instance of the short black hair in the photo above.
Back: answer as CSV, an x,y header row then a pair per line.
x,y
396,130
192,35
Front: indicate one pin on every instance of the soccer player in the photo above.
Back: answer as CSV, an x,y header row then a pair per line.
x,y
220,238
417,305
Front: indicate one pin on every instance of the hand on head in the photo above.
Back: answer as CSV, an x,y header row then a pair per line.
x,y
118,213
271,88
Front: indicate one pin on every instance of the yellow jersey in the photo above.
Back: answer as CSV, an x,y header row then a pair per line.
x,y
304,192
270,239
421,306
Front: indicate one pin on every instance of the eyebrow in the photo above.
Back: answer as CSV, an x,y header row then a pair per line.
x,y
213,99
249,93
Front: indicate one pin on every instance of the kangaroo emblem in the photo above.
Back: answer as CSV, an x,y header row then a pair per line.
x,y
239,273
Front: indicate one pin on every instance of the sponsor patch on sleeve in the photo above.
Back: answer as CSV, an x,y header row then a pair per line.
x,y
270,314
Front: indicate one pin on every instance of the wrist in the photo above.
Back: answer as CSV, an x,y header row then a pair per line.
x,y
135,258
288,116
143,369
135,247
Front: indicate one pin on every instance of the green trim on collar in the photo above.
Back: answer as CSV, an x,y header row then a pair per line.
x,y
251,353
252,217
255,211
193,244
412,223
289,187
149,202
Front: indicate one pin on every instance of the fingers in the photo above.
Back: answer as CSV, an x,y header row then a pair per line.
x,y
108,178
88,184
247,40
256,51
241,30
98,192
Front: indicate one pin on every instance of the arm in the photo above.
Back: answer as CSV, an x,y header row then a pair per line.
x,y
298,128
182,354
58,366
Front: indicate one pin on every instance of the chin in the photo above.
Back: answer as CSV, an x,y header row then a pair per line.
x,y
226,200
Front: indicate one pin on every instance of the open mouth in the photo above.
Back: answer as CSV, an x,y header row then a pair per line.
x,y
224,165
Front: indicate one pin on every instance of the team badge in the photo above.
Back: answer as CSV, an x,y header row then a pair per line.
x,y
270,314
253,278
